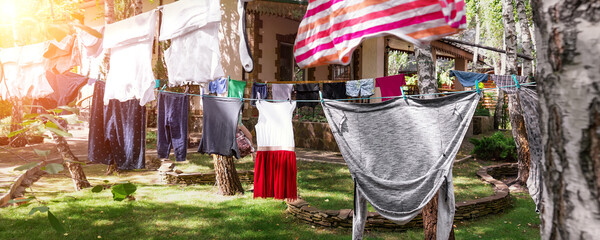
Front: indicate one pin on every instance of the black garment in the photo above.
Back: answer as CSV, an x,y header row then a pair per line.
x,y
334,90
220,126
126,133
98,146
66,87
307,92
259,89
172,125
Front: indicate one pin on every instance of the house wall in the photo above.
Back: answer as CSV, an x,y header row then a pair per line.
x,y
272,26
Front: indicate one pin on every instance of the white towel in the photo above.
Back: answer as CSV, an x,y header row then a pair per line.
x,y
130,73
185,16
24,72
193,27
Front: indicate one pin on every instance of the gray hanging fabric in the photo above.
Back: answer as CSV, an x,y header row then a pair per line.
x,y
528,100
400,152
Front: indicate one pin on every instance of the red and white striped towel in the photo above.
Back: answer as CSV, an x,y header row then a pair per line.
x,y
331,29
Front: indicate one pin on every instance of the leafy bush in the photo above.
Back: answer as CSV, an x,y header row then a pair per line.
x,y
482,112
495,147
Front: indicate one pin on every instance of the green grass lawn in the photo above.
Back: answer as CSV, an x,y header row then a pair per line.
x,y
197,212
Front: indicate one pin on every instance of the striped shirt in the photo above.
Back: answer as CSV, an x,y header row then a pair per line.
x,y
332,29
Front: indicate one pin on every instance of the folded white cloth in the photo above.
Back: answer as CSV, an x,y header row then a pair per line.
x,y
193,27
130,73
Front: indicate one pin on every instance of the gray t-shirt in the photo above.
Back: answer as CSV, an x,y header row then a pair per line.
x,y
220,126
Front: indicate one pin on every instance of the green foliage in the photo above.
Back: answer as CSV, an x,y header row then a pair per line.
x,y
27,166
397,60
482,112
55,223
306,114
496,147
120,191
53,168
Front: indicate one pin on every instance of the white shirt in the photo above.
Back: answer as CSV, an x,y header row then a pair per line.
x,y
193,27
24,72
274,127
130,73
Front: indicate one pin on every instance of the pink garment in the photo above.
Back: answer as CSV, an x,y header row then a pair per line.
x,y
390,86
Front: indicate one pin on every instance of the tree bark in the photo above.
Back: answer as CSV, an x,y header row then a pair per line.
x,y
568,64
428,84
70,161
514,107
525,37
16,119
475,49
226,176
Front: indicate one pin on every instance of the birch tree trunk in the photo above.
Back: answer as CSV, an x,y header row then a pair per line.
x,y
569,92
428,84
514,107
70,161
525,37
226,175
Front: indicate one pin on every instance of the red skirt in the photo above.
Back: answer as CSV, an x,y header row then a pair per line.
x,y
275,175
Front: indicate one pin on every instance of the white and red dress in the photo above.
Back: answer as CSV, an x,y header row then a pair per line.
x,y
275,166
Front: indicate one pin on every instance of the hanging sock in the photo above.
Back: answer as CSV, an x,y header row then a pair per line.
x,y
397,182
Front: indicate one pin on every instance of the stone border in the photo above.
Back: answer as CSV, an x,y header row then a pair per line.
x,y
202,178
464,210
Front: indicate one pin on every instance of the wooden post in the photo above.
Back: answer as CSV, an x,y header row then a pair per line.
x,y
226,176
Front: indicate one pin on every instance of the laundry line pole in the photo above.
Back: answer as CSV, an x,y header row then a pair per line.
x,y
485,47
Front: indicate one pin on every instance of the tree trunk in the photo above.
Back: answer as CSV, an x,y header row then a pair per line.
x,y
226,175
568,60
18,140
475,49
499,111
428,84
525,37
514,107
70,161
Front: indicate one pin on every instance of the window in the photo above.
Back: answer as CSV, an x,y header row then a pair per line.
x,y
288,69
341,72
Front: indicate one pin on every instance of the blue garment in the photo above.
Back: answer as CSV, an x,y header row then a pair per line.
x,y
126,133
259,88
172,125
98,146
468,79
363,87
218,86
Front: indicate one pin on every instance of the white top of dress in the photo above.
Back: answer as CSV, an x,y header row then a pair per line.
x,y
274,127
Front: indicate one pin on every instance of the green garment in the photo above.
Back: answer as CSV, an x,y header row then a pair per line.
x,y
236,88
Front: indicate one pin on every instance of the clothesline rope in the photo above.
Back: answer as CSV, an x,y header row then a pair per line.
x,y
351,99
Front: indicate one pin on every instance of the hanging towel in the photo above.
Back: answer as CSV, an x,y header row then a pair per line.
x,y
468,79
24,72
363,87
281,91
236,88
90,49
400,153
275,166
334,90
220,126
172,125
130,75
390,86
259,91
62,56
308,91
193,27
332,29
528,100
125,132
